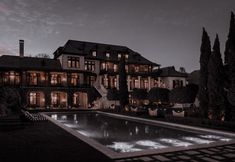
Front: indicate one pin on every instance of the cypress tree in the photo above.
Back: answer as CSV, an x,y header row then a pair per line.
x,y
230,70
215,82
123,88
230,112
230,40
204,59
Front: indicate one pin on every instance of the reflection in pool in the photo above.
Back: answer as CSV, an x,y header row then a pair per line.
x,y
123,135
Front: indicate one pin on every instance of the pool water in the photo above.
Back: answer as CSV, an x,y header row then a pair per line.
x,y
121,135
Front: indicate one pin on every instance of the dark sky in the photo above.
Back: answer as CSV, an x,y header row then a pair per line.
x,y
167,32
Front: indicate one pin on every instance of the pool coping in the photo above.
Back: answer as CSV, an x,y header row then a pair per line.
x,y
114,155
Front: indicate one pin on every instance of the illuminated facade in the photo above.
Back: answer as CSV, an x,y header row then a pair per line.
x,y
78,71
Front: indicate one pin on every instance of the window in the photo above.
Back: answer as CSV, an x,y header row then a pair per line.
x,y
94,53
90,65
136,83
103,66
126,56
107,55
33,78
12,78
115,67
119,56
146,83
33,98
74,79
73,62
177,83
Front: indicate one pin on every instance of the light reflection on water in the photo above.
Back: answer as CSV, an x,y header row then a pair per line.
x,y
127,136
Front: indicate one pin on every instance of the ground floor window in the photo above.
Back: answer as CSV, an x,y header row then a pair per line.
x,y
59,99
36,99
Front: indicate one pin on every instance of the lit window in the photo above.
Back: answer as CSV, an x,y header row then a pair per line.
x,y
108,55
94,53
126,56
119,56
73,62
90,65
115,67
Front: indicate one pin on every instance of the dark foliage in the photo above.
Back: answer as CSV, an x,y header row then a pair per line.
x,y
230,77
184,94
113,94
139,94
215,82
158,94
230,40
204,59
10,97
123,89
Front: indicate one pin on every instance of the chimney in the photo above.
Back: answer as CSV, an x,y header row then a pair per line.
x,y
21,48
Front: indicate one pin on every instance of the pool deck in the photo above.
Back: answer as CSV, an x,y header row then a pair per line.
x,y
47,142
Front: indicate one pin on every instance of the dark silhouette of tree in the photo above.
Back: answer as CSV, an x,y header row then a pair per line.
x,y
230,71
123,89
42,55
204,59
215,82
230,40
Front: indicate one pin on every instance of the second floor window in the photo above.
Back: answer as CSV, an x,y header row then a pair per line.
x,y
90,65
73,62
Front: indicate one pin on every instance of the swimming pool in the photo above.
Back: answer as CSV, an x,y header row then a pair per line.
x,y
119,136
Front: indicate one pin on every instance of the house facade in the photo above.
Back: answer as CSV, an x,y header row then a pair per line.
x,y
80,74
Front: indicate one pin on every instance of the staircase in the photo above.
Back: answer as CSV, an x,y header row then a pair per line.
x,y
102,102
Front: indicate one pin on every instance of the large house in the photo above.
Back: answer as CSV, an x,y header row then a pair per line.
x,y
80,74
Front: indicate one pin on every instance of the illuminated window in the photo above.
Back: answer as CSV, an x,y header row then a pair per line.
x,y
119,56
126,56
146,83
74,79
115,67
107,55
73,62
103,66
94,53
90,65
136,83
33,98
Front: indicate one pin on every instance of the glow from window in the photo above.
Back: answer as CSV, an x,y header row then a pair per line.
x,y
151,144
198,140
175,142
123,147
54,116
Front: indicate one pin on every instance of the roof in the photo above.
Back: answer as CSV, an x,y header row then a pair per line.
x,y
85,49
169,72
17,62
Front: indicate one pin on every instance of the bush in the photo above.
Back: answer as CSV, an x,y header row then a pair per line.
x,y
184,94
159,95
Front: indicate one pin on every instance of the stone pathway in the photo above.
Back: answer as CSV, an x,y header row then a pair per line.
x,y
224,153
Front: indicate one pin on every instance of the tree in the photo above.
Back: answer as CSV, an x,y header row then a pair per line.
x,y
204,59
139,95
230,40
230,67
123,89
42,55
215,82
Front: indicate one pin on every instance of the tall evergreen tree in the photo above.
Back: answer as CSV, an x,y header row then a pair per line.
x,y
204,59
230,70
215,82
123,88
230,112
230,40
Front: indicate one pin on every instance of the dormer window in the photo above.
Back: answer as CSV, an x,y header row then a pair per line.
x,y
107,55
126,56
94,53
119,56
